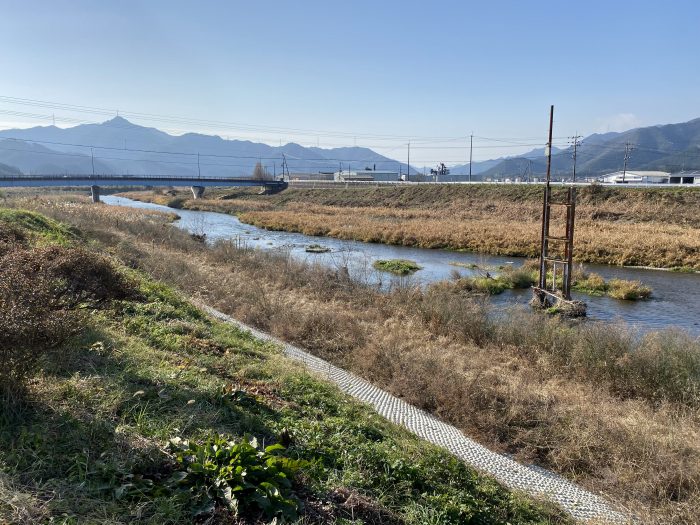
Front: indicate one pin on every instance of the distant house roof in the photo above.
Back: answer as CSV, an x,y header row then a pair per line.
x,y
637,173
638,176
689,173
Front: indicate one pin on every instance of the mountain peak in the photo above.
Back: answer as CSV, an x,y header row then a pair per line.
x,y
118,122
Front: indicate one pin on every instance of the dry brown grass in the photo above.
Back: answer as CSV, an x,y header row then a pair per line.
x,y
592,402
634,227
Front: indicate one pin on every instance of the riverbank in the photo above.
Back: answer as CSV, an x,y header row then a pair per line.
x,y
655,227
130,383
598,403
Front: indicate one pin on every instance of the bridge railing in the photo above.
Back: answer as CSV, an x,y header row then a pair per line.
x,y
101,177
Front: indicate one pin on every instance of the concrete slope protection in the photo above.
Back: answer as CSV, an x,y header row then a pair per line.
x,y
535,481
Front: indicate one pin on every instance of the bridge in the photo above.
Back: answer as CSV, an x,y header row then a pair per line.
x,y
95,182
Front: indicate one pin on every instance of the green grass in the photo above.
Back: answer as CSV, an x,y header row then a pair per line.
x,y
525,276
683,269
590,284
40,226
510,278
91,443
397,266
470,266
487,285
628,290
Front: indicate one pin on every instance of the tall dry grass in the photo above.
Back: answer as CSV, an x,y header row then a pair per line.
x,y
636,227
599,404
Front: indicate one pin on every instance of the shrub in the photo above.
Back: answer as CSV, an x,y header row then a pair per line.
x,y
664,367
481,285
331,333
447,312
11,237
33,324
317,248
40,289
242,477
628,290
488,285
523,277
78,275
589,283
176,202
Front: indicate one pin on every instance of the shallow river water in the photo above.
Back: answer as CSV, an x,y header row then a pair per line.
x,y
675,301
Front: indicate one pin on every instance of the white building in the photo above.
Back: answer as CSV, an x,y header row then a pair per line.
x,y
685,177
638,177
365,175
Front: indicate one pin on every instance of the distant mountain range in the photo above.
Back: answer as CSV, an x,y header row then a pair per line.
x,y
118,146
671,147
483,166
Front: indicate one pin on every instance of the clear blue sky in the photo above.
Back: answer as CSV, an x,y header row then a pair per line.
x,y
394,68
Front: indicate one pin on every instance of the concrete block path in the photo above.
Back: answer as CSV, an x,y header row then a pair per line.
x,y
541,483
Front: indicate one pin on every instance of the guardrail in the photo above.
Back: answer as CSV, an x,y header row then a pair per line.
x,y
330,183
131,178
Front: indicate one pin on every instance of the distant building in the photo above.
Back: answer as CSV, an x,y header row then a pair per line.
x,y
685,177
328,176
638,177
365,176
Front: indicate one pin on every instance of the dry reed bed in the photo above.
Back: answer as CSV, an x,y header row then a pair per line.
x,y
515,385
638,244
632,227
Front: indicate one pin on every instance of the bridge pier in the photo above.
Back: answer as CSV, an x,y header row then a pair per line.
x,y
197,191
95,191
271,190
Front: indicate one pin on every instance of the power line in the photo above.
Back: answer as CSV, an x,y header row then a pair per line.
x,y
505,142
628,152
205,122
236,125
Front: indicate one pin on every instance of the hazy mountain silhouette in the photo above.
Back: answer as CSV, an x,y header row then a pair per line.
x,y
670,147
31,158
120,146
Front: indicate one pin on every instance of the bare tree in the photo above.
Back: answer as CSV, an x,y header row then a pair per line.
x,y
260,173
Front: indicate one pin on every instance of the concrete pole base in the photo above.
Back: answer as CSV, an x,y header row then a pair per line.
x,y
95,191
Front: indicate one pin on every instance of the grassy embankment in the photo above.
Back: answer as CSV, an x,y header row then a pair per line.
x,y
614,410
656,227
105,372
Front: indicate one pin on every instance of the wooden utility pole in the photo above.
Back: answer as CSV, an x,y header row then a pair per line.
x,y
408,163
544,241
471,148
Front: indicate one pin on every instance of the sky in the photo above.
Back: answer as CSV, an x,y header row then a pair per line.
x,y
369,73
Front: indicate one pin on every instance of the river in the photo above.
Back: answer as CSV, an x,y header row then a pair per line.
x,y
675,301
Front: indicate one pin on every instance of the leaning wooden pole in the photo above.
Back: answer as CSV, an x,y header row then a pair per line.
x,y
544,241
